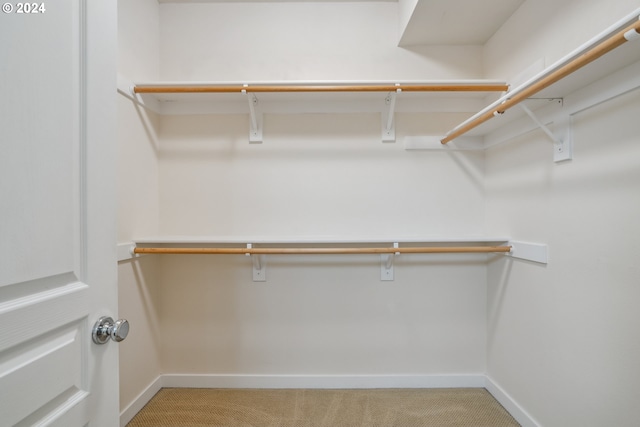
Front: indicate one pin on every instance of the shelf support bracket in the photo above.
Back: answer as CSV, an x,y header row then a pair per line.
x,y
388,125
126,88
536,252
562,146
259,266
255,116
386,265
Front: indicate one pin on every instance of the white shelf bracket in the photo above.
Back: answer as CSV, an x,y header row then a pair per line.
x,y
388,124
386,265
561,138
126,88
536,252
563,150
259,266
255,116
126,251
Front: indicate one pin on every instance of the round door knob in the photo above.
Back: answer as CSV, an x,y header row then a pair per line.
x,y
106,328
120,330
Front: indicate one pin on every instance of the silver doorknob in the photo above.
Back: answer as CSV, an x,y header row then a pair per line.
x,y
106,328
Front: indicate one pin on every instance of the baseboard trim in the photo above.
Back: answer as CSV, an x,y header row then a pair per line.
x,y
328,381
510,404
143,398
323,381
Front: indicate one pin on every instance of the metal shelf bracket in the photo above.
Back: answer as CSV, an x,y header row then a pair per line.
x,y
386,265
255,115
259,266
388,124
561,137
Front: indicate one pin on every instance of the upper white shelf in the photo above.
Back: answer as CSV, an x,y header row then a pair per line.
x,y
239,240
604,54
611,50
320,96
257,98
618,59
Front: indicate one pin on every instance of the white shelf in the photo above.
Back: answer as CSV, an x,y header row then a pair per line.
x,y
390,247
321,240
296,97
371,102
557,111
620,58
613,49
549,99
310,102
256,104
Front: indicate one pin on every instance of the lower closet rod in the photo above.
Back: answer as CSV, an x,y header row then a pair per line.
x,y
285,251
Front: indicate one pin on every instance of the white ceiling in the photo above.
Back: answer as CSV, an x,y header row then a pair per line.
x,y
456,22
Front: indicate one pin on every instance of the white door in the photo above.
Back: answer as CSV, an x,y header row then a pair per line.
x,y
57,212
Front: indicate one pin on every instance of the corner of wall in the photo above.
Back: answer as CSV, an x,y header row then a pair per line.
x,y
138,44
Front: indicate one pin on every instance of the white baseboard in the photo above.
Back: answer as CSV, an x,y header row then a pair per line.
x,y
327,381
510,404
143,398
323,381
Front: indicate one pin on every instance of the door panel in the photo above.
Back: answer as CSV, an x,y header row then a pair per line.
x,y
54,362
38,313
55,215
40,142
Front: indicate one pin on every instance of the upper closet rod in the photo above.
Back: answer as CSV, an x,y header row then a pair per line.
x,y
309,251
212,88
630,32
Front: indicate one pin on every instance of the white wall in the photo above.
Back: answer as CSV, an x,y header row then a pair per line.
x,y
137,216
137,171
547,334
405,10
319,175
138,39
562,338
567,332
323,315
138,301
314,175
138,27
547,30
299,41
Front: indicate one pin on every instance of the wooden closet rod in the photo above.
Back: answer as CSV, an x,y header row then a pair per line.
x,y
589,56
291,251
321,88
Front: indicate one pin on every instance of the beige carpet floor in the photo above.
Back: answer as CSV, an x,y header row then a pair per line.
x,y
319,408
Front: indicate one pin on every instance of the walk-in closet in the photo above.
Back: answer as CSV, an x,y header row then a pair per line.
x,y
411,194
